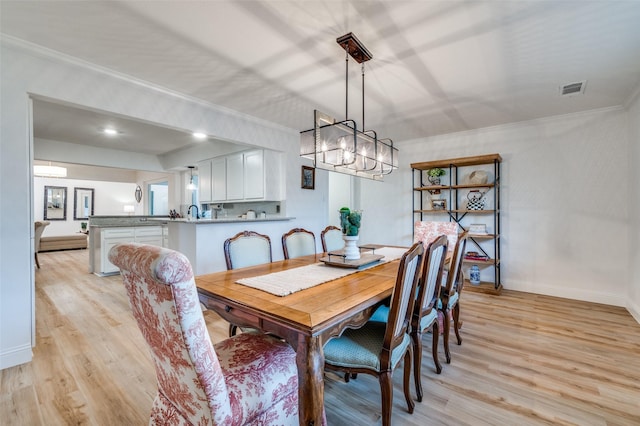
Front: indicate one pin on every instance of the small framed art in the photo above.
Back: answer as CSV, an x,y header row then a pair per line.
x,y
308,177
439,204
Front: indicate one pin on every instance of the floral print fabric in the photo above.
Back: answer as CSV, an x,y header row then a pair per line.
x,y
250,379
427,232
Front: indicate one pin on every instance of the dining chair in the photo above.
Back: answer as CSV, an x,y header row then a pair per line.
x,y
450,295
245,380
247,248
428,231
331,238
298,242
425,310
377,348
39,226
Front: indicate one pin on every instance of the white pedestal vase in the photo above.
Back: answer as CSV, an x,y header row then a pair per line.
x,y
351,250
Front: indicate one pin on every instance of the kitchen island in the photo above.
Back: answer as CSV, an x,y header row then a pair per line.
x,y
202,240
107,231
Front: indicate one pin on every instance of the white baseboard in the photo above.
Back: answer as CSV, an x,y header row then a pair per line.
x,y
605,297
634,310
15,356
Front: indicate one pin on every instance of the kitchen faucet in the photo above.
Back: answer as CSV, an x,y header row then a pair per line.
x,y
197,211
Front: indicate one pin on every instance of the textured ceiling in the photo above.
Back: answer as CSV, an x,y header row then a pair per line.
x,y
437,67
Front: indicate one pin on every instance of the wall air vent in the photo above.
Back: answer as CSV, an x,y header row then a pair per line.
x,y
573,88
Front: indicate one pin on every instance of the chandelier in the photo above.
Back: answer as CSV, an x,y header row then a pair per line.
x,y
49,171
339,146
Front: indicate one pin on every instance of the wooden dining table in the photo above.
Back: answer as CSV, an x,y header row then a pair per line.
x,y
306,319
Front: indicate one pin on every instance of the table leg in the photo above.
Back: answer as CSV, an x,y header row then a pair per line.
x,y
310,361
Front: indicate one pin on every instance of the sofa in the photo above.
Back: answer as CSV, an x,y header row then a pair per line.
x,y
63,242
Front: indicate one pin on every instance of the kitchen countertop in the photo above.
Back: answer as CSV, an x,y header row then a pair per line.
x,y
121,221
221,220
150,222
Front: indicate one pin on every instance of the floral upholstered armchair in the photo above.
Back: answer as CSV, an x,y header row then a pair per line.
x,y
245,380
428,232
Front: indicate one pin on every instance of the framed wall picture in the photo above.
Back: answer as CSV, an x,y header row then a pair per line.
x,y
308,177
439,204
82,203
55,203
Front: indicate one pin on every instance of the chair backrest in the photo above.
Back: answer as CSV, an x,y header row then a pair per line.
x,y
298,242
247,248
427,232
402,301
331,238
455,280
39,228
164,301
430,277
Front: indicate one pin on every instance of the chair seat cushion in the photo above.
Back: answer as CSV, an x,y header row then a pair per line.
x,y
453,300
428,319
381,314
260,372
361,348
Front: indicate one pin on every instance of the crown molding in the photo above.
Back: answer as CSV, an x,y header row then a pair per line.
x,y
45,52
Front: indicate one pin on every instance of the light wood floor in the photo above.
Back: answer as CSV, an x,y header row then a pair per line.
x,y
524,360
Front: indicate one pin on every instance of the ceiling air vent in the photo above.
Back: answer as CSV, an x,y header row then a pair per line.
x,y
573,88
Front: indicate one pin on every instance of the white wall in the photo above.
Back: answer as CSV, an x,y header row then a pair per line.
x,y
109,199
565,201
634,211
24,71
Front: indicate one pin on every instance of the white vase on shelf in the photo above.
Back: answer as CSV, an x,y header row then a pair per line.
x,y
351,250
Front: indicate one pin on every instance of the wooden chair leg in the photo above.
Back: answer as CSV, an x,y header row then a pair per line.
x,y
37,263
435,331
407,378
456,322
416,339
233,329
445,335
386,393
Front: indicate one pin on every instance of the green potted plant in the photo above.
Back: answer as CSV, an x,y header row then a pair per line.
x,y
434,177
350,221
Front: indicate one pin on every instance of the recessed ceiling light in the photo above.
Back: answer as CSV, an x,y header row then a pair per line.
x,y
110,132
199,135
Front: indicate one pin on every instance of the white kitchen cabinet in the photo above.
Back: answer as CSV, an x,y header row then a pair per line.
x,y
109,237
149,235
165,236
235,177
253,174
205,181
219,179
244,176
273,175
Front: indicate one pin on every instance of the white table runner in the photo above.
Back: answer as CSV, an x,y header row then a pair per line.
x,y
290,281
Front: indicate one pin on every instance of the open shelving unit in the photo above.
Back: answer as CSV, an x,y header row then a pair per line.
x,y
454,189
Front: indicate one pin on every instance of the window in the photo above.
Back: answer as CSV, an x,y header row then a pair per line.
x,y
159,198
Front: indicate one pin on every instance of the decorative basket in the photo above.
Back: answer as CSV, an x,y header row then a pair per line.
x,y
475,200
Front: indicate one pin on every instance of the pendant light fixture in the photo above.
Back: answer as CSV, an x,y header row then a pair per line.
x,y
191,186
50,171
339,146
